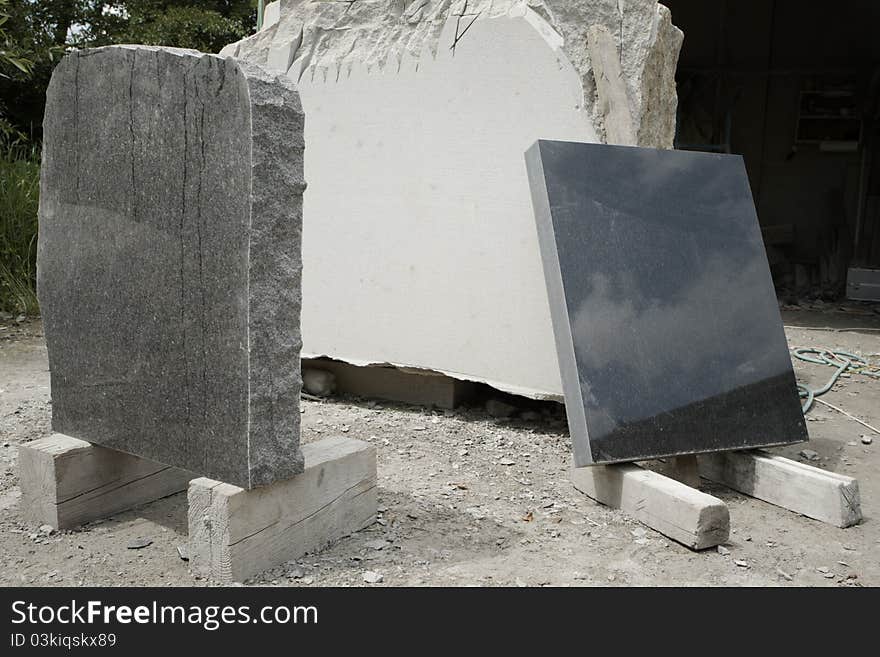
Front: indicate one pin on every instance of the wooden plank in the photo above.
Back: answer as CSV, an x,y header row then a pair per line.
x,y
199,498
815,493
66,482
686,515
611,87
394,384
685,469
237,533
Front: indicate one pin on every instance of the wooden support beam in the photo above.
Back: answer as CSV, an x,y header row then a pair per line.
x,y
798,487
66,482
685,469
394,384
686,515
236,533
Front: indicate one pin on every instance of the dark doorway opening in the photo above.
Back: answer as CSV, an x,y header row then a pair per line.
x,y
794,87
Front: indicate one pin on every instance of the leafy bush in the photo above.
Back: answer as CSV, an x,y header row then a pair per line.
x,y
19,198
33,36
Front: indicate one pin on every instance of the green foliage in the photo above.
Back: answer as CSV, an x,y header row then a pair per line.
x,y
10,57
39,31
9,54
34,34
199,25
19,198
12,62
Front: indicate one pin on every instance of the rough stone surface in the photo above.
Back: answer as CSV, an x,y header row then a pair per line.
x,y
169,259
319,382
419,114
310,35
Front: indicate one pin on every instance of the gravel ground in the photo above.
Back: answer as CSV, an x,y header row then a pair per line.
x,y
466,499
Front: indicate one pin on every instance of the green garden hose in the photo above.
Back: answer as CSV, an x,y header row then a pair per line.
x,y
841,360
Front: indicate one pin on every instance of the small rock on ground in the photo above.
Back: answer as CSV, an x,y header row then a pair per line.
x,y
372,577
809,455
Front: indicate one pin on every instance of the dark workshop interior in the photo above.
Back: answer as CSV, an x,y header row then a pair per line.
x,y
794,87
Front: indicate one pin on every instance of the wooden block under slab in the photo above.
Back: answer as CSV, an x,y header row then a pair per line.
x,y
815,493
66,482
236,533
394,384
681,468
682,513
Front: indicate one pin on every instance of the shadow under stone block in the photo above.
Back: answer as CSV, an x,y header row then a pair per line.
x,y
666,322
169,259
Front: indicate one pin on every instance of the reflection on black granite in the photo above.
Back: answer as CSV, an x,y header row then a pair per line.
x,y
666,322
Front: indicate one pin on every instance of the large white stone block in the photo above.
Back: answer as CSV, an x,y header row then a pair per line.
x,y
419,241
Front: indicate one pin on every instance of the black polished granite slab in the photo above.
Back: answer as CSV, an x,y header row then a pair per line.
x,y
667,326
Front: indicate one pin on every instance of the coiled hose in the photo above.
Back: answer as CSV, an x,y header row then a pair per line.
x,y
842,361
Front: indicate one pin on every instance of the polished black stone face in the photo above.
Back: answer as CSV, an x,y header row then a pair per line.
x,y
666,322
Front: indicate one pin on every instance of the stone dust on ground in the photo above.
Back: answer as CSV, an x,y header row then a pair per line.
x,y
466,499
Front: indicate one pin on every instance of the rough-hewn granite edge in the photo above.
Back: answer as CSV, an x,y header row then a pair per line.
x,y
274,263
275,275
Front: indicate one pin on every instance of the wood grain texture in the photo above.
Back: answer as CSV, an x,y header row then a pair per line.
x,y
686,515
237,533
815,493
66,482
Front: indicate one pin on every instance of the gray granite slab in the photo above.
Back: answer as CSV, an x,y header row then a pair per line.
x,y
667,327
169,259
